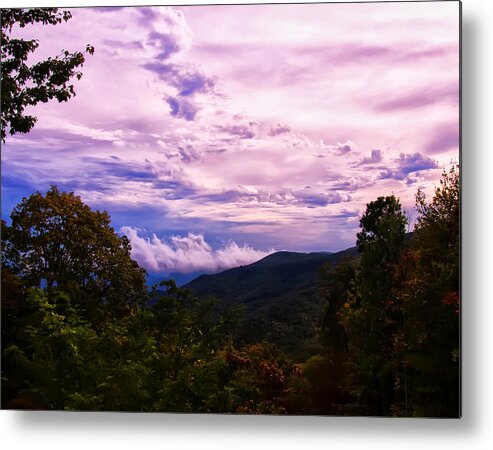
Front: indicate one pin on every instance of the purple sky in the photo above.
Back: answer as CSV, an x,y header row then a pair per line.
x,y
216,134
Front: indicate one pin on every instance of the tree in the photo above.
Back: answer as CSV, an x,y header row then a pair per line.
x,y
13,295
380,241
58,243
429,295
438,228
335,283
51,361
370,314
327,372
24,85
83,333
383,222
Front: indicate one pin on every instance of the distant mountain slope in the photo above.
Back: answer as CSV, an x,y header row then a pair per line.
x,y
279,294
179,278
274,275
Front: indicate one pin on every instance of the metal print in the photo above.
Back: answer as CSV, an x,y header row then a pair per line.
x,y
248,209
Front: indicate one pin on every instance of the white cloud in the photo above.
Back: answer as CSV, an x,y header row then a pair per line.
x,y
188,253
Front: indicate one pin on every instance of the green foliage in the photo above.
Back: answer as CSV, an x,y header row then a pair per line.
x,y
50,359
336,282
150,351
136,364
79,332
57,242
429,337
400,314
24,85
383,223
279,296
369,314
327,373
438,230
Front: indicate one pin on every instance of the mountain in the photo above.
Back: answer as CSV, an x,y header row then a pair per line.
x,y
279,296
179,278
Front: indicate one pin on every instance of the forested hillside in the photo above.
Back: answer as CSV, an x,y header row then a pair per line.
x,y
81,331
280,298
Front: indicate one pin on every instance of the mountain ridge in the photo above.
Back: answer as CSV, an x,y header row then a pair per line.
x,y
279,295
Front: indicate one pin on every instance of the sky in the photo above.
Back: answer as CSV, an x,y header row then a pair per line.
x,y
215,135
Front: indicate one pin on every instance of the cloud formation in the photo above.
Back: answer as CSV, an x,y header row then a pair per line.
x,y
259,131
279,129
190,253
182,107
408,164
169,33
375,157
339,149
414,162
243,131
188,80
421,98
444,138
171,36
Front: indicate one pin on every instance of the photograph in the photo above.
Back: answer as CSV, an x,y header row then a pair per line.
x,y
244,209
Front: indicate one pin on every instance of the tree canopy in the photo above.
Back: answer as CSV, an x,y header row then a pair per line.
x,y
382,221
57,242
400,313
26,85
148,351
79,331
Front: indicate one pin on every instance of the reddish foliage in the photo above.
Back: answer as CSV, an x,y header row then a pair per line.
x,y
452,299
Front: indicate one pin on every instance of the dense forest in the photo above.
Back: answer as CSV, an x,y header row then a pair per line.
x,y
81,331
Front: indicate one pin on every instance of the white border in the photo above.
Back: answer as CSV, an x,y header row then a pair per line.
x,y
19,430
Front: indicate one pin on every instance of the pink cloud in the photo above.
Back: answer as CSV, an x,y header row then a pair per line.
x,y
421,98
206,116
279,129
444,138
375,157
